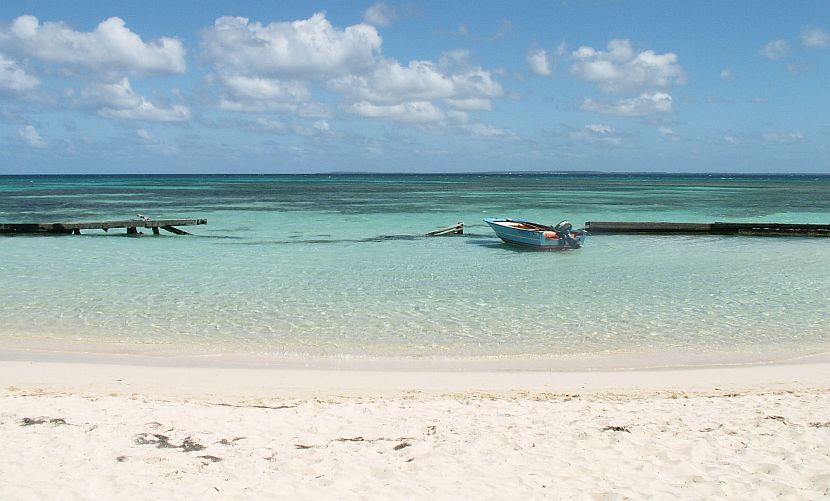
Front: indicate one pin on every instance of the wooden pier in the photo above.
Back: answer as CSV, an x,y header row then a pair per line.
x,y
717,228
456,229
132,226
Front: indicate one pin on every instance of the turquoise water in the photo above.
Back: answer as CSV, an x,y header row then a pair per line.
x,y
335,266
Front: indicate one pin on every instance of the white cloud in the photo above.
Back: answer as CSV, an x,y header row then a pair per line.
x,y
270,68
418,112
390,84
668,133
13,78
775,50
119,100
259,94
489,131
30,136
271,125
598,133
726,74
783,137
471,104
537,59
308,47
505,29
145,136
380,14
278,67
644,104
265,89
815,38
622,69
110,48
307,110
731,140
461,120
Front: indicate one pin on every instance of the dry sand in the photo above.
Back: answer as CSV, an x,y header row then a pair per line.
x,y
92,430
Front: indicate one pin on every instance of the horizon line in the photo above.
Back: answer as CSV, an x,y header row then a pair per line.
x,y
457,173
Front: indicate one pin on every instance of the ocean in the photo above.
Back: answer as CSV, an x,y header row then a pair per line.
x,y
336,266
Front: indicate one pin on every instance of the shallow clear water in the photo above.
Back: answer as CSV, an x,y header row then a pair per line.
x,y
334,265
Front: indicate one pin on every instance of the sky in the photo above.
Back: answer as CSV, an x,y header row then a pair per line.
x,y
215,86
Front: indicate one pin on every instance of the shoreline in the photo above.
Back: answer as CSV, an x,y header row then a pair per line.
x,y
205,379
612,360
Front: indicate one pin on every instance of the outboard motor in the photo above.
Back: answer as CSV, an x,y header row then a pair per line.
x,y
563,231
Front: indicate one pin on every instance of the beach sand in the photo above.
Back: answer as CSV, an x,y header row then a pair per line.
x,y
107,429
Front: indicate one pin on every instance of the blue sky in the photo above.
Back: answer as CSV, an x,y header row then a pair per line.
x,y
416,86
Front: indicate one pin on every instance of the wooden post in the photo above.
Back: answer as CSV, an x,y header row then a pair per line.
x,y
131,230
155,230
175,230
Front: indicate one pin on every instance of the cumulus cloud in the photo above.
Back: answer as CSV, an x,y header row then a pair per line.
x,y
623,69
644,104
380,14
308,47
277,67
269,68
119,100
783,137
258,88
110,48
30,136
775,50
471,104
537,59
392,83
260,94
410,112
598,133
391,89
726,74
13,78
815,38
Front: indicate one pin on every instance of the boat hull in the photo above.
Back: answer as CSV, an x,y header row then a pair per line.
x,y
534,235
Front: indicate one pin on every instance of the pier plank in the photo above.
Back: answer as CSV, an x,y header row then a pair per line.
x,y
75,227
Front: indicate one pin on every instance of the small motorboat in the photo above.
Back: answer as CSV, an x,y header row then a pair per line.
x,y
538,236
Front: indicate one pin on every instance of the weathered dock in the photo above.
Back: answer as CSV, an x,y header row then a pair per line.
x,y
456,229
717,228
132,226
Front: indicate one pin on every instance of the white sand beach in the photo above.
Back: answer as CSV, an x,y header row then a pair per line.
x,y
95,430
